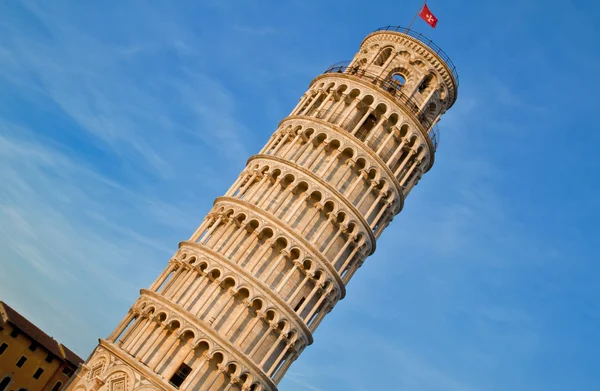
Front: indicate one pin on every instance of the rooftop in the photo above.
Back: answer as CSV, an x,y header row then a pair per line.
x,y
9,315
428,42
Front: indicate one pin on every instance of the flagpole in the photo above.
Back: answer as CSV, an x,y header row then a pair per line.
x,y
415,17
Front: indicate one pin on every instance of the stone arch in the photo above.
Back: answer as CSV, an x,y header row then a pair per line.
x,y
174,322
383,56
257,303
231,281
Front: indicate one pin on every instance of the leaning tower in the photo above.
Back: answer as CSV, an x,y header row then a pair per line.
x,y
240,300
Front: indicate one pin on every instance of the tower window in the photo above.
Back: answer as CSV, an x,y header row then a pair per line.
x,y
425,83
179,376
4,383
399,80
3,348
14,333
49,358
57,386
383,57
68,371
21,361
33,346
38,373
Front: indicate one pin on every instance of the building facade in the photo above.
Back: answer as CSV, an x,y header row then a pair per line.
x,y
240,300
31,360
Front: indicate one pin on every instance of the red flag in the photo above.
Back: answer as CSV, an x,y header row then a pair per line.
x,y
427,16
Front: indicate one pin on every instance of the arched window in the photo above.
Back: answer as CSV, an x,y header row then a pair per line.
x,y
57,386
399,80
4,383
383,56
425,83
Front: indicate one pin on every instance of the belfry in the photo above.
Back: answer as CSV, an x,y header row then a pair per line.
x,y
239,301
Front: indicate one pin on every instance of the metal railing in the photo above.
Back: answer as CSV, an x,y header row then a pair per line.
x,y
435,48
394,89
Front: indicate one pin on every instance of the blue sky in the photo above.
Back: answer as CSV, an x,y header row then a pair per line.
x,y
121,121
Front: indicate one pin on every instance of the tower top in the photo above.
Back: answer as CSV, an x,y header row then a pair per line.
x,y
434,54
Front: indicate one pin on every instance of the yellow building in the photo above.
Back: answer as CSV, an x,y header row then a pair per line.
x,y
31,360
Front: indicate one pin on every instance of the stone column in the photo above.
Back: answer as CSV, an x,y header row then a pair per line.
x,y
301,200
162,277
382,193
256,188
336,108
121,326
296,266
333,158
230,225
198,233
223,308
408,157
376,219
366,194
131,330
341,252
315,308
327,223
375,129
327,98
252,239
151,340
183,352
348,112
244,311
385,141
313,326
302,100
283,255
268,246
350,257
262,339
210,296
362,176
190,382
415,164
362,120
283,369
278,359
317,154
288,149
299,288
342,228
133,345
250,326
317,287
164,355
